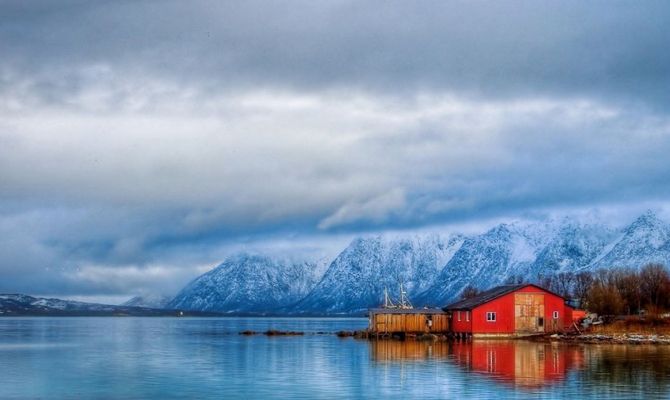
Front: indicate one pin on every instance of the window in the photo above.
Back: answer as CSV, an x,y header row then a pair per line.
x,y
491,316
459,315
555,315
467,315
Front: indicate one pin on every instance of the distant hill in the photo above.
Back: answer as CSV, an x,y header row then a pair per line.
x,y
148,301
24,305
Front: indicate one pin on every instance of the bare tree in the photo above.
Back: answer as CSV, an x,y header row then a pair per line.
x,y
582,285
654,284
469,292
562,284
545,281
628,283
603,296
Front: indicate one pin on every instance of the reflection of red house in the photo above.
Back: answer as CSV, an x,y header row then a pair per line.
x,y
510,310
517,362
521,363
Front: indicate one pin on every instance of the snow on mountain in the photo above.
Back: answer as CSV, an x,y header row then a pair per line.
x,y
21,304
534,250
356,279
487,260
574,247
646,240
249,283
434,269
148,300
25,302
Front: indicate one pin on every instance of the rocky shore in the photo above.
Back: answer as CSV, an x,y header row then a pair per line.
x,y
620,338
590,338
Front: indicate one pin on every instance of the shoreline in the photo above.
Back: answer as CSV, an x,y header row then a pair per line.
x,y
601,338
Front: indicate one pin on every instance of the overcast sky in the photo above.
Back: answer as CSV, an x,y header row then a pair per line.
x,y
143,141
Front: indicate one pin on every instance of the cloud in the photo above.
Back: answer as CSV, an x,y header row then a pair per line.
x,y
375,210
132,279
140,148
593,49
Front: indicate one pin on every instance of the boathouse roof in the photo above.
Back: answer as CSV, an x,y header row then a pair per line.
x,y
489,295
406,310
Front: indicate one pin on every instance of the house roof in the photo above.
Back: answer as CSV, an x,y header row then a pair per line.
x,y
491,294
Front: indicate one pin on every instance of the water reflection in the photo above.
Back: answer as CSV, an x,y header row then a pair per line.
x,y
526,364
397,351
531,365
620,368
163,358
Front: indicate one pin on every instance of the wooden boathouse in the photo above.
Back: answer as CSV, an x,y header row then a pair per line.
x,y
510,310
402,318
390,321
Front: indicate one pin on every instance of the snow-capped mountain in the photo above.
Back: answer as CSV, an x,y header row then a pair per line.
x,y
646,240
533,250
487,260
149,301
249,283
574,247
434,269
356,279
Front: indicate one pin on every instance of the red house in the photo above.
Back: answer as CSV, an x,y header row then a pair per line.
x,y
510,310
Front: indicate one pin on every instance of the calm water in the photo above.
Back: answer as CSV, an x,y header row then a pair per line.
x,y
124,358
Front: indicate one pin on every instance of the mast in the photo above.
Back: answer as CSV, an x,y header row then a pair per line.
x,y
387,300
404,301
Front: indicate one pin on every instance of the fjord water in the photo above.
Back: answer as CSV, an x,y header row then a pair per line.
x,y
161,358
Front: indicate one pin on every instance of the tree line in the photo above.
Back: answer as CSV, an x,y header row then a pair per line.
x,y
615,291
610,291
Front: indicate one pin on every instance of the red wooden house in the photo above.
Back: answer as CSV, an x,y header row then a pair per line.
x,y
510,310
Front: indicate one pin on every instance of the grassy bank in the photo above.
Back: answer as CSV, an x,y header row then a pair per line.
x,y
633,325
632,330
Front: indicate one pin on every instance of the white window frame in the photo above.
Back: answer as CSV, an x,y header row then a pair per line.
x,y
491,316
459,315
555,314
467,316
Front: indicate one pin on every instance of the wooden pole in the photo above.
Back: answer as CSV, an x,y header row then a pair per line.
x,y
575,325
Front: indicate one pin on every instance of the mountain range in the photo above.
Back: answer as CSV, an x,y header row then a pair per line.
x,y
433,268
21,304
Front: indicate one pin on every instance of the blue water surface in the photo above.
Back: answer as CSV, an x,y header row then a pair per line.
x,y
203,358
